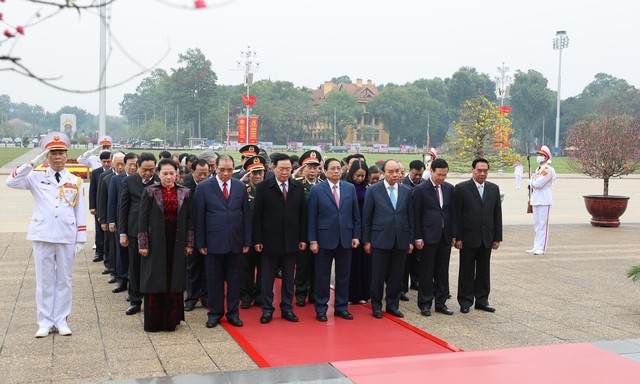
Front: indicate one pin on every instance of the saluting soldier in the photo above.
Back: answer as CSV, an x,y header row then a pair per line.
x,y
246,152
91,157
57,230
305,271
250,278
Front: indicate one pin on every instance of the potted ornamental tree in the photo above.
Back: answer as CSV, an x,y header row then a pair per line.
x,y
605,146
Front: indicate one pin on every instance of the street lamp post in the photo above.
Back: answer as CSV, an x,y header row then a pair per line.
x,y
560,42
248,59
503,79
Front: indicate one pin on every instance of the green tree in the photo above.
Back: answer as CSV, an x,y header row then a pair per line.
x,y
344,109
341,79
481,131
531,101
467,83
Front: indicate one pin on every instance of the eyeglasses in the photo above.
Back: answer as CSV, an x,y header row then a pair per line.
x,y
336,168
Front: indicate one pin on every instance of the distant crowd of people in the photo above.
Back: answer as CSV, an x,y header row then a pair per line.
x,y
184,229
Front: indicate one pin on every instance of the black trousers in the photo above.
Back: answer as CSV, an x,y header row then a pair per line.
x,y
270,265
411,269
223,268
122,263
251,278
110,251
134,272
196,278
99,237
434,274
323,261
386,263
474,276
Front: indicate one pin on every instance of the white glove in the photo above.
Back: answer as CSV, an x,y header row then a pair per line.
x,y
39,159
97,150
79,247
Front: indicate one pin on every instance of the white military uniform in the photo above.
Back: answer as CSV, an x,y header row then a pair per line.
x,y
541,200
517,172
57,224
90,160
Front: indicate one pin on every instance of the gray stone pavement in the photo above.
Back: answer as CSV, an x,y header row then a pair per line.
x,y
577,292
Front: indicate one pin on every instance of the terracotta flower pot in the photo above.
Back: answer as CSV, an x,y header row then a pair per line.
x,y
605,211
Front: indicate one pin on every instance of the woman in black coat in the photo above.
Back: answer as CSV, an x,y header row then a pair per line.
x,y
165,240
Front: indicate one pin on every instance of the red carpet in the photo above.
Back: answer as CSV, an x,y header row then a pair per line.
x,y
282,343
571,363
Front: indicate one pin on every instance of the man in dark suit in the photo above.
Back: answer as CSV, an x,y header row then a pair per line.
x,y
334,229
411,268
128,212
279,231
196,273
122,254
223,235
105,160
117,166
387,233
435,226
479,213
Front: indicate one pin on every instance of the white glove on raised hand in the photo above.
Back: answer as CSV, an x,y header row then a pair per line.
x,y
97,150
39,159
79,247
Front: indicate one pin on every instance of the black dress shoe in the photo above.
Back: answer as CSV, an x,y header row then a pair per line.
x,y
321,317
279,274
485,308
425,312
236,322
106,271
245,305
377,314
395,312
290,316
119,288
464,309
266,318
343,315
300,302
132,310
404,297
112,280
97,258
189,307
127,299
212,322
444,310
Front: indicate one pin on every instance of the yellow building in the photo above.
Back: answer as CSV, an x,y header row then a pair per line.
x,y
366,132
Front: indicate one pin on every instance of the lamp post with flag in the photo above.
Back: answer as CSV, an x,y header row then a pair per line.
x,y
248,60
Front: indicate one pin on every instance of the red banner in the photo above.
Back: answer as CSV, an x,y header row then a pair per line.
x,y
242,130
253,130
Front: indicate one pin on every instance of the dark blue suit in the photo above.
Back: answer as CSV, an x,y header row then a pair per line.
x,y
122,254
93,204
435,226
333,228
390,231
224,228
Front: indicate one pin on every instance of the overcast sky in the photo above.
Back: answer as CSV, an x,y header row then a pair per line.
x,y
308,42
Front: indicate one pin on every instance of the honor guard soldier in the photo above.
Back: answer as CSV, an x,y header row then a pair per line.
x,y
91,157
245,152
57,230
541,200
250,278
305,272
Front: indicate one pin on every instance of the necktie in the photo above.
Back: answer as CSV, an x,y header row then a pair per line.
x,y
481,190
437,187
225,191
335,196
284,191
392,196
57,175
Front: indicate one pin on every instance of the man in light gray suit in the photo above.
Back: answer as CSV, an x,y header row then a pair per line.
x,y
388,235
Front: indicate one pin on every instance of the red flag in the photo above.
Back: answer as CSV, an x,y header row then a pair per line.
x,y
253,130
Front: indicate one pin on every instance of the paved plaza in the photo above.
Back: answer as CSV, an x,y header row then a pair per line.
x,y
577,292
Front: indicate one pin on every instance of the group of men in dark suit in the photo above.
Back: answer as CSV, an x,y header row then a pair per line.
x,y
263,226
